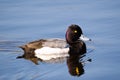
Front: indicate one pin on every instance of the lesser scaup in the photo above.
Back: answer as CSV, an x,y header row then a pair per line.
x,y
46,49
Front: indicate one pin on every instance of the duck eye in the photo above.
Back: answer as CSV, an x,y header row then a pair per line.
x,y
75,31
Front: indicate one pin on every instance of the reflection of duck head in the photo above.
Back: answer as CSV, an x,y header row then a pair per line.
x,y
75,66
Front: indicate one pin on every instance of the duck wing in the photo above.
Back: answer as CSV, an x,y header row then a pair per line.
x,y
55,43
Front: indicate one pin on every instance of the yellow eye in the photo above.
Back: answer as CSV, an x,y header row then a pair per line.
x,y
75,31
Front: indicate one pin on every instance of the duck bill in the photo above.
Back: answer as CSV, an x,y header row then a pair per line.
x,y
84,38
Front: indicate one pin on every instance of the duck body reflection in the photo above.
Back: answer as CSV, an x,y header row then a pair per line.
x,y
75,66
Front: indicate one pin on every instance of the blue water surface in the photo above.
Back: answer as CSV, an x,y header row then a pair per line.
x,y
22,21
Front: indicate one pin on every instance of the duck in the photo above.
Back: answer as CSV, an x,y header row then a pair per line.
x,y
47,49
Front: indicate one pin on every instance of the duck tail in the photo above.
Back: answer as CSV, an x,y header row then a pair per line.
x,y
23,47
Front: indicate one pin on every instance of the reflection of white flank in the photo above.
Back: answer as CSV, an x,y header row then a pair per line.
x,y
47,53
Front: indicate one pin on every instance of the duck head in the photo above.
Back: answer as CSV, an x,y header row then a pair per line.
x,y
74,33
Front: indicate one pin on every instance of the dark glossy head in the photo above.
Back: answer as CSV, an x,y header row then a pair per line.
x,y
73,33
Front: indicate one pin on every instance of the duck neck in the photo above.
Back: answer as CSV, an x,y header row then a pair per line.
x,y
70,42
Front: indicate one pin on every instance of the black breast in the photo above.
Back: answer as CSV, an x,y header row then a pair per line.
x,y
77,48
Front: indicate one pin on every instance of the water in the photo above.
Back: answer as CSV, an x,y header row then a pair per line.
x,y
22,21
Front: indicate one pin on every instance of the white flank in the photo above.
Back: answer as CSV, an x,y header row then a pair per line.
x,y
47,53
